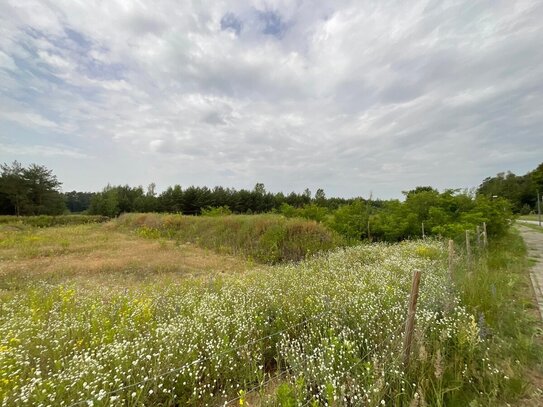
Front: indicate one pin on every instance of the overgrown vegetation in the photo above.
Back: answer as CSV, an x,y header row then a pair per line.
x,y
498,291
264,238
447,214
34,190
48,221
318,330
327,330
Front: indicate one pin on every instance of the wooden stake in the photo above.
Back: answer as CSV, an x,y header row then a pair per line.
x,y
451,256
485,239
478,236
423,235
468,250
410,322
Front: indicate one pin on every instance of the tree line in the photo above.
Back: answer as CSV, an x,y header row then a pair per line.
x,y
35,190
32,190
193,200
520,190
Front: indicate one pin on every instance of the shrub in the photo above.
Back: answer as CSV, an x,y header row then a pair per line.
x,y
216,211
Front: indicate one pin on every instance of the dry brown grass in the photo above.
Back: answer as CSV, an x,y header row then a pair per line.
x,y
102,255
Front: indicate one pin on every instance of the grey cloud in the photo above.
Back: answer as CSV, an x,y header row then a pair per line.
x,y
272,23
214,118
145,24
230,22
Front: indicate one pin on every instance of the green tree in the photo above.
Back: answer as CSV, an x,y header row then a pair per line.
x,y
31,191
351,220
43,191
105,203
320,197
78,201
171,200
13,186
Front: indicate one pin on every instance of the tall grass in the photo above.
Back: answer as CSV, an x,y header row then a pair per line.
x,y
264,238
497,289
48,221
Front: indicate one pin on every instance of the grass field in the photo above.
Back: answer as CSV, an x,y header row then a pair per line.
x,y
93,255
99,314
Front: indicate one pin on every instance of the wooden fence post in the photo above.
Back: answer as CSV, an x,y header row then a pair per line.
x,y
478,236
423,235
485,239
410,322
451,256
468,250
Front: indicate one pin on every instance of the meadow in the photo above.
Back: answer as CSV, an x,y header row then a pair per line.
x,y
138,311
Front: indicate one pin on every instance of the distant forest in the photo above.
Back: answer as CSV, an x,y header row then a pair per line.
x,y
35,190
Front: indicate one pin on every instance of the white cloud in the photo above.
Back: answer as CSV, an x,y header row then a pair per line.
x,y
29,119
38,151
6,62
351,96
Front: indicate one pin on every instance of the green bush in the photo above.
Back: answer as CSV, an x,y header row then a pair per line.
x,y
310,211
448,214
216,211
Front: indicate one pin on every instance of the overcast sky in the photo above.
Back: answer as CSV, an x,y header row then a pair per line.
x,y
348,96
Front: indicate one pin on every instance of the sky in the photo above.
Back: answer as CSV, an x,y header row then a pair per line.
x,y
355,97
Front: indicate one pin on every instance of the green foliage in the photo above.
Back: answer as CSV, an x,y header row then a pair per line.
x,y
289,211
114,200
351,220
310,211
286,396
448,214
78,202
33,190
520,190
216,211
192,200
264,238
105,203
